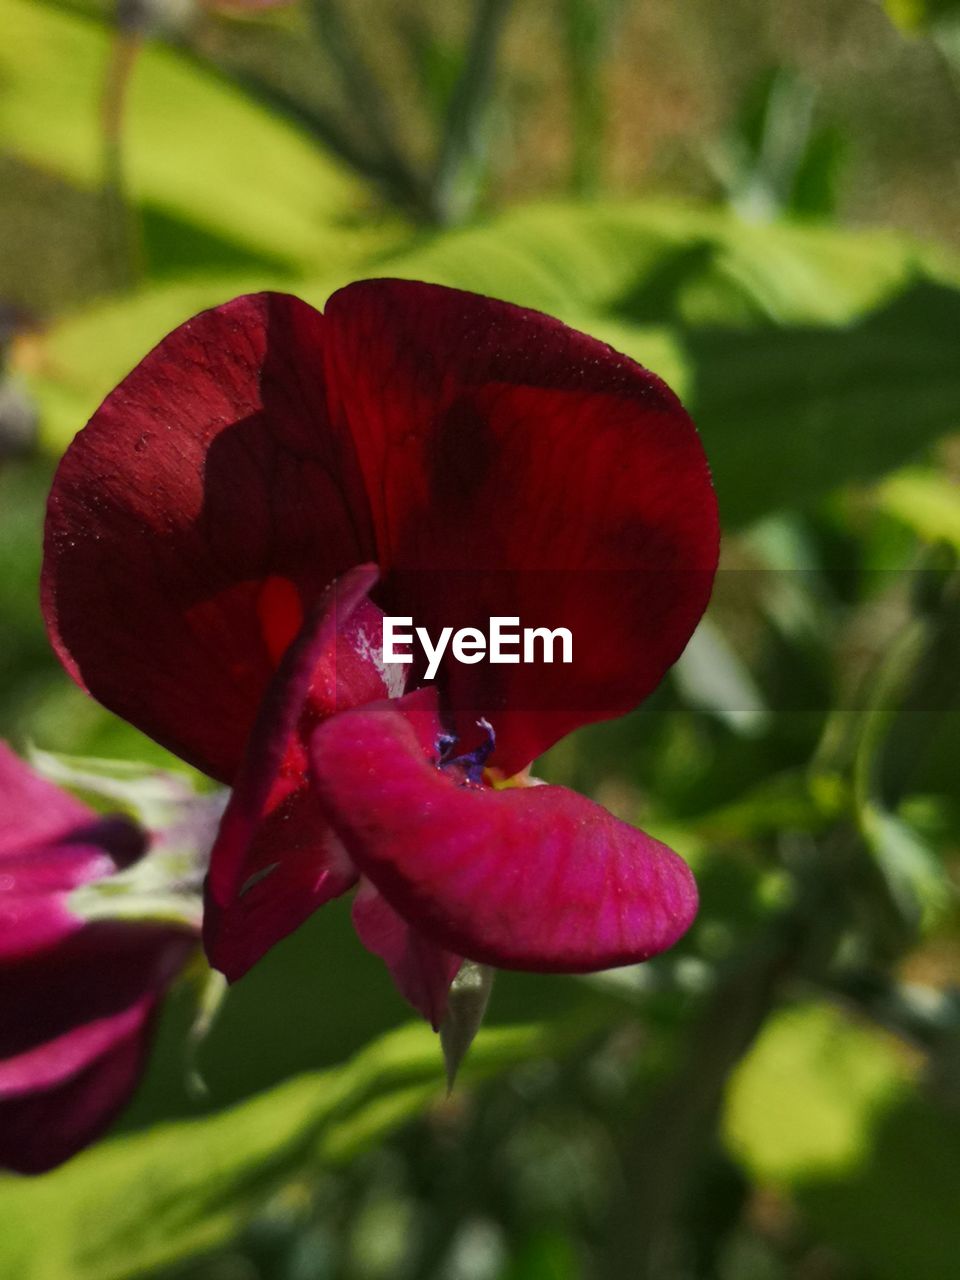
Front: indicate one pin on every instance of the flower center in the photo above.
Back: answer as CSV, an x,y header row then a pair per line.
x,y
467,768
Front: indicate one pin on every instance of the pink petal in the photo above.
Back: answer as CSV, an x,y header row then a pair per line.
x,y
35,814
537,878
50,843
422,971
92,975
75,1023
276,859
42,1128
33,915
32,810
47,1064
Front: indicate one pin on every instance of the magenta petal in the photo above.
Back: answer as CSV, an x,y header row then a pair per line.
x,y
43,1126
76,999
78,844
44,1065
276,859
75,1023
528,878
50,843
89,978
422,971
32,810
34,910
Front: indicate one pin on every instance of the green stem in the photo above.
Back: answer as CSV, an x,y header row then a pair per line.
x,y
456,179
588,28
124,249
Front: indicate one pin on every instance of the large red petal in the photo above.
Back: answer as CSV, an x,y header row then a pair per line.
x,y
422,971
196,520
276,859
529,878
518,468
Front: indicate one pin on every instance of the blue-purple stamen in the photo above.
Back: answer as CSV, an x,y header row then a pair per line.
x,y
472,763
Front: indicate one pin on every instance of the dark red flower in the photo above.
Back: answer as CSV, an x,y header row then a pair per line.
x,y
77,999
201,579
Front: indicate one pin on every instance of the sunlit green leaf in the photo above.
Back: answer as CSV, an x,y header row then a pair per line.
x,y
151,1199
917,15
196,148
609,259
927,501
826,1110
804,1099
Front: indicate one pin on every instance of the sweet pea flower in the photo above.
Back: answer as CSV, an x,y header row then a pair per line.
x,y
78,997
223,541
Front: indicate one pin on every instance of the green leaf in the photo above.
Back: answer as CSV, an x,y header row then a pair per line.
x,y
163,1196
711,675
787,415
915,876
927,501
825,1110
196,148
804,1099
857,374
608,259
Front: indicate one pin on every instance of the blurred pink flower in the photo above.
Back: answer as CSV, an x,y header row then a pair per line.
x,y
77,997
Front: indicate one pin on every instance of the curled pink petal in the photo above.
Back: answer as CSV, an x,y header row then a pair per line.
x,y
33,810
532,878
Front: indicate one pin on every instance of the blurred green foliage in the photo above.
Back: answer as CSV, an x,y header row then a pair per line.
x,y
777,1099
